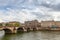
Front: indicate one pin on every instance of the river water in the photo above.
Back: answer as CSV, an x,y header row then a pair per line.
x,y
37,35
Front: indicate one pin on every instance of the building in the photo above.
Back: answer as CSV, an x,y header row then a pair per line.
x,y
57,23
32,24
47,23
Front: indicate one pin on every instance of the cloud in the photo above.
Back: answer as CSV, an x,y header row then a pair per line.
x,y
24,10
16,15
56,15
26,14
53,4
29,4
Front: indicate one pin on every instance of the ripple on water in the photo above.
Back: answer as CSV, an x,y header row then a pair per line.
x,y
39,35
1,33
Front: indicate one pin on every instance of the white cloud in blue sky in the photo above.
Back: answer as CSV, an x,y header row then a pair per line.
x,y
24,10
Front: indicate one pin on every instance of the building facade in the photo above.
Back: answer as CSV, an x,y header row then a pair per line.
x,y
32,24
47,23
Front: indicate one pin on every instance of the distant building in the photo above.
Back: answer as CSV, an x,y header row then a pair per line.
x,y
47,23
32,24
57,23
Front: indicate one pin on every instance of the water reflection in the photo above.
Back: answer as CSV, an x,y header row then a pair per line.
x,y
37,35
12,36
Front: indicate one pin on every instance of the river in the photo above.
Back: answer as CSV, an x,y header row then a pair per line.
x,y
37,35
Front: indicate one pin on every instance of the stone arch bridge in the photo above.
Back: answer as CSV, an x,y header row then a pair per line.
x,y
17,29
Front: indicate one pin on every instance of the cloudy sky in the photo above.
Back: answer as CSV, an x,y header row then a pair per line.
x,y
24,10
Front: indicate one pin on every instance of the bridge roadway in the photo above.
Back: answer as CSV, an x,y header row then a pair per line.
x,y
17,29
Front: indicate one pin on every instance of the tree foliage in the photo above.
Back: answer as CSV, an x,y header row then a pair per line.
x,y
16,24
1,24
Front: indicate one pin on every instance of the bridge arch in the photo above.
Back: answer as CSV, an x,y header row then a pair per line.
x,y
20,29
28,29
7,30
34,29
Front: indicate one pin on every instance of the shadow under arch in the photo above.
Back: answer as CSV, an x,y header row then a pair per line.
x,y
7,31
28,30
34,29
19,30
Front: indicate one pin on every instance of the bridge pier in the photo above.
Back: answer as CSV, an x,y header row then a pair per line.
x,y
24,29
14,31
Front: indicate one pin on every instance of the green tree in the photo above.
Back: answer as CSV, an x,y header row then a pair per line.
x,y
16,24
7,24
1,24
